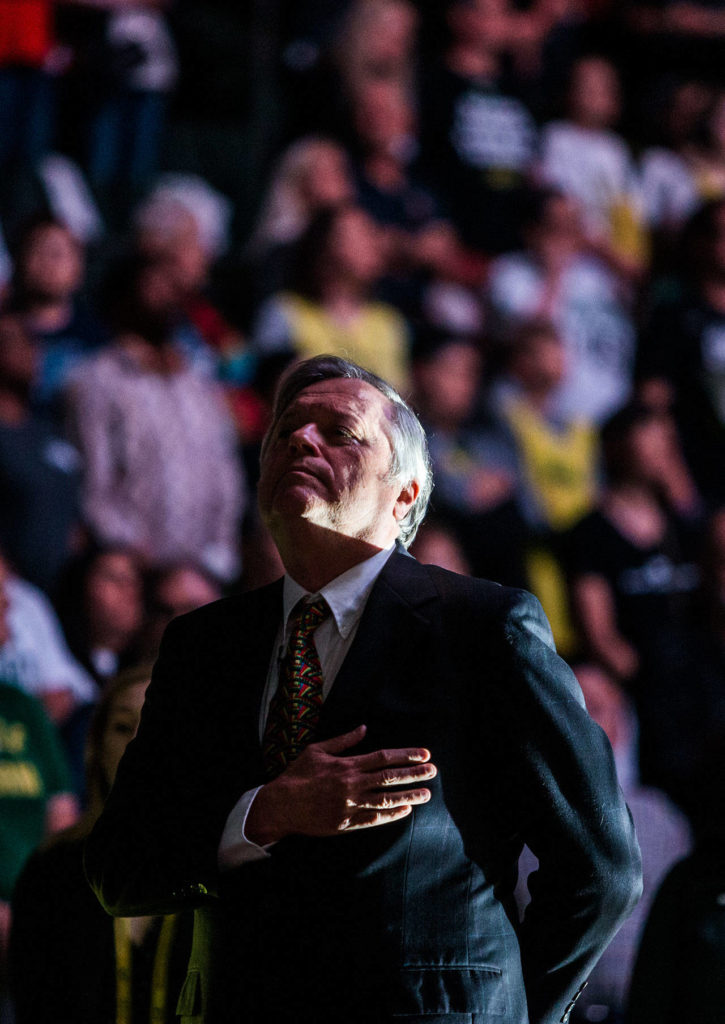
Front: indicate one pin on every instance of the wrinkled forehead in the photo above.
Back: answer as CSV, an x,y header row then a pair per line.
x,y
356,397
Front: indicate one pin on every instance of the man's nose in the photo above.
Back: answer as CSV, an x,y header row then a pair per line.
x,y
305,438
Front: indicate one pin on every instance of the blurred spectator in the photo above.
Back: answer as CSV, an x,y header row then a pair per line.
x,y
478,142
474,465
633,559
162,474
680,970
557,277
170,227
34,787
681,362
435,544
684,714
39,470
663,836
377,44
678,38
330,307
35,658
558,456
171,591
669,191
70,961
27,100
100,607
587,160
126,64
311,175
423,243
662,832
706,150
49,273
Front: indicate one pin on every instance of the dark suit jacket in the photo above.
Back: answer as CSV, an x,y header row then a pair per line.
x,y
411,920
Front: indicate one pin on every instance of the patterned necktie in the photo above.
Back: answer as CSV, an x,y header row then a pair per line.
x,y
295,707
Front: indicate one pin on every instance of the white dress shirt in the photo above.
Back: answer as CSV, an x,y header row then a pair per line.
x,y
346,597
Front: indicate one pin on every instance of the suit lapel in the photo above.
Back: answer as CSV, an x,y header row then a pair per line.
x,y
250,638
394,632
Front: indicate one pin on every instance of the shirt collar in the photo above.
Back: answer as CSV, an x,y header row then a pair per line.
x,y
346,594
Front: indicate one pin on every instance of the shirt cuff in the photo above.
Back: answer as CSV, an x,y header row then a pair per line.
x,y
235,849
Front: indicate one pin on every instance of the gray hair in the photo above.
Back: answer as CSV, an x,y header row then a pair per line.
x,y
410,460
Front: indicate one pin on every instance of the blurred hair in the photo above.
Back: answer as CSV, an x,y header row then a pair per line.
x,y
410,460
285,212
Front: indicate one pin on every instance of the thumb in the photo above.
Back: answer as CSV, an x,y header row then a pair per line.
x,y
336,744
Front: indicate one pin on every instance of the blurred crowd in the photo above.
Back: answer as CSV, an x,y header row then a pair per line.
x,y
505,209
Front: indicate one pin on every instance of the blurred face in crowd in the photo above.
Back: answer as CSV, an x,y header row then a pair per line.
x,y
448,382
18,356
324,177
540,363
123,720
354,248
380,34
189,260
113,598
184,589
179,590
482,24
594,93
384,118
53,263
557,235
434,545
650,445
392,32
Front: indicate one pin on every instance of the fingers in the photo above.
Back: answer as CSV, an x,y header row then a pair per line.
x,y
396,757
336,744
390,800
403,775
370,819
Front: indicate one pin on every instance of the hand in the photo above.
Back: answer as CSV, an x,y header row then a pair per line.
x,y
323,794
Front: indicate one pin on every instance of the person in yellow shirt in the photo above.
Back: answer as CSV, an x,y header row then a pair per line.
x,y
330,306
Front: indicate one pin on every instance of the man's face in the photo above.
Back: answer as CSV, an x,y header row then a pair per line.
x,y
327,460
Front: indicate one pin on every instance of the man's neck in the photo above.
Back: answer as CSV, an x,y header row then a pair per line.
x,y
314,556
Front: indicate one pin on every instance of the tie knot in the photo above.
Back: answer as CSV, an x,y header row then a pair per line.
x,y
309,616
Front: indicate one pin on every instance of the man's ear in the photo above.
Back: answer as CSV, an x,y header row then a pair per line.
x,y
405,500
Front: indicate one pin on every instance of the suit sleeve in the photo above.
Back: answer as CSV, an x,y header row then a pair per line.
x,y
154,848
559,794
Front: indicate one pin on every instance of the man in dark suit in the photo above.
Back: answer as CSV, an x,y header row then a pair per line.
x,y
353,858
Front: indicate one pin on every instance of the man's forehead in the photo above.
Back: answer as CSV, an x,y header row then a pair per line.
x,y
356,395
